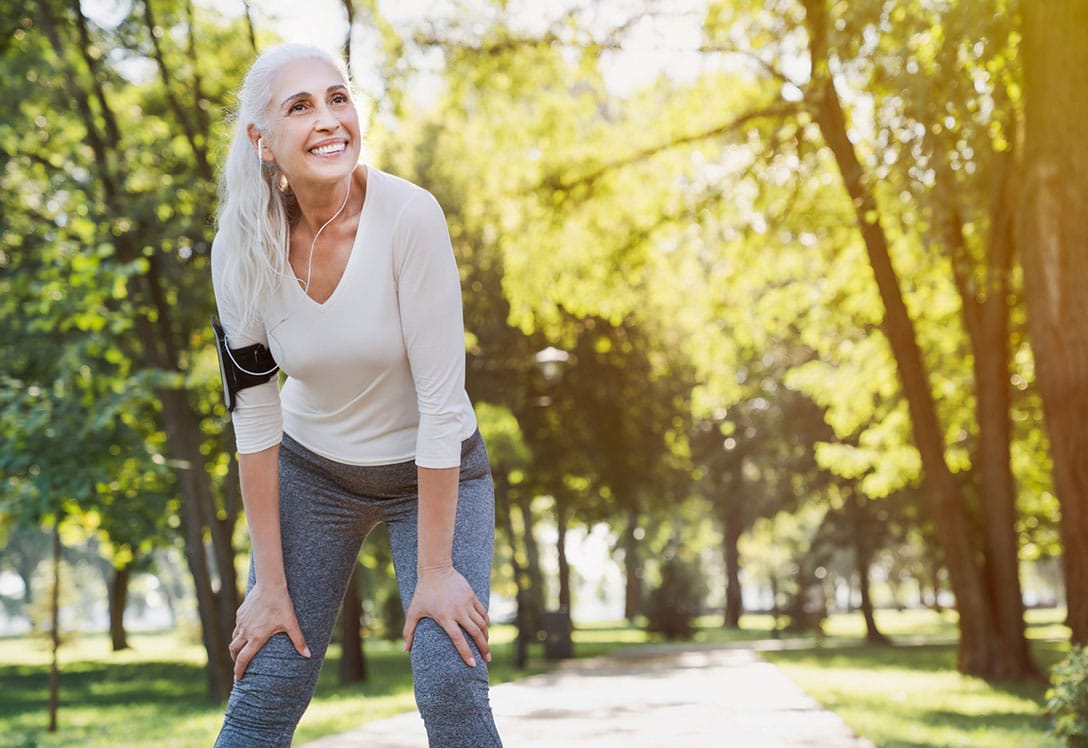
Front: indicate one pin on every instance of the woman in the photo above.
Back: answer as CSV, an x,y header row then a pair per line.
x,y
347,275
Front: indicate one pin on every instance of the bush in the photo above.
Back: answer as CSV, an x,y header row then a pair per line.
x,y
672,607
1067,698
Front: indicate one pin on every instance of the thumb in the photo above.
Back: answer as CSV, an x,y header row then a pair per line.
x,y
298,640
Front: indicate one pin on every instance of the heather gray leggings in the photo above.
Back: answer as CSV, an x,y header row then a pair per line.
x,y
326,510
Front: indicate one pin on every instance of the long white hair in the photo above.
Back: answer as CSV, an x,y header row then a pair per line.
x,y
255,202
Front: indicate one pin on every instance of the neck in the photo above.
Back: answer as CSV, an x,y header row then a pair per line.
x,y
320,206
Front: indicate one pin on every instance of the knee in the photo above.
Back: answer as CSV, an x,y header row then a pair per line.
x,y
268,701
443,682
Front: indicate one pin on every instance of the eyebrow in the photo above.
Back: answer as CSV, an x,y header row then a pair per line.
x,y
306,94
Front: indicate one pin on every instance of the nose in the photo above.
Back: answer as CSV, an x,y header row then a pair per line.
x,y
325,118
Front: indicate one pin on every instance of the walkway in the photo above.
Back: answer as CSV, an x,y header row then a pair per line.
x,y
696,697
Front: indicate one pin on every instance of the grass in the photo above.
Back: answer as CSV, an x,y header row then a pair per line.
x,y
910,695
905,695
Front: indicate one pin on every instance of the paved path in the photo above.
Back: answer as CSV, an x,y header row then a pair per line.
x,y
665,698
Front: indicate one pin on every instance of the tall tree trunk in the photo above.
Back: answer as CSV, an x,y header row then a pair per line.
x,y
863,559
1053,236
980,651
534,595
731,532
349,8
118,600
521,619
353,666
632,566
215,606
561,519
985,311
54,612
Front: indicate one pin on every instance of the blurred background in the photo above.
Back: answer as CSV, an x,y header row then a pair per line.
x,y
771,307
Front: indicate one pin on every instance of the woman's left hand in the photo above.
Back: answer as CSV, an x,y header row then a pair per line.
x,y
445,596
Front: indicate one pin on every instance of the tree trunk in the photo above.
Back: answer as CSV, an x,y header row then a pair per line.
x,y
863,559
632,566
980,649
986,320
561,549
54,612
534,595
935,583
118,600
731,531
1053,237
215,607
353,666
349,8
521,619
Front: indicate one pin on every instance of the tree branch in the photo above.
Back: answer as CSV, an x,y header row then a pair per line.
x,y
175,104
780,111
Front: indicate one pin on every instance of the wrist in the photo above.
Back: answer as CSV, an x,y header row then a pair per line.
x,y
434,568
271,582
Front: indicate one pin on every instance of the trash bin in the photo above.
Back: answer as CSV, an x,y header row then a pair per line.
x,y
557,635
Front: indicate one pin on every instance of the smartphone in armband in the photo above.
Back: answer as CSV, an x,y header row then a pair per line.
x,y
241,367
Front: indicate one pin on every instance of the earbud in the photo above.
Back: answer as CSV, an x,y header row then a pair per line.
x,y
260,149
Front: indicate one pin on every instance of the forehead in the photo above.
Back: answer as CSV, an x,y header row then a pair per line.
x,y
313,76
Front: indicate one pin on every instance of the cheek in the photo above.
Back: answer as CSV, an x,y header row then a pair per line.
x,y
350,120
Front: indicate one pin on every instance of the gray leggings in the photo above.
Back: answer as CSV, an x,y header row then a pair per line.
x,y
326,510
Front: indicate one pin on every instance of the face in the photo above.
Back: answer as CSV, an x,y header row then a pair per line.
x,y
314,126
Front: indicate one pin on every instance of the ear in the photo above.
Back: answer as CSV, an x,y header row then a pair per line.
x,y
260,144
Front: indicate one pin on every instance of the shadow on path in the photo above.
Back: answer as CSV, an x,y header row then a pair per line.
x,y
667,698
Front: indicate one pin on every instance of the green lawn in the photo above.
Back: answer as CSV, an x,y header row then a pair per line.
x,y
153,694
904,695
909,695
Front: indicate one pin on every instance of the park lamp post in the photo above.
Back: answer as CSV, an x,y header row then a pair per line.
x,y
550,362
556,624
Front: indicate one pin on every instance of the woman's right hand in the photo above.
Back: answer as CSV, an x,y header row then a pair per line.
x,y
263,613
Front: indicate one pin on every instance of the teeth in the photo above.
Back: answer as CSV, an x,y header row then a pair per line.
x,y
327,149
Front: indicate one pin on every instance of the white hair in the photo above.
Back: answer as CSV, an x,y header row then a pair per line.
x,y
255,202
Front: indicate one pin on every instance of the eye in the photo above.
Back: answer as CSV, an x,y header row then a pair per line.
x,y
298,106
340,98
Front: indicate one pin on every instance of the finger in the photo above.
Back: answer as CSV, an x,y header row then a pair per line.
x,y
459,643
481,609
480,621
295,633
479,635
410,622
242,661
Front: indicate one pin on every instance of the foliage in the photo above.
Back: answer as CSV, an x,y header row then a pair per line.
x,y
678,599
1067,697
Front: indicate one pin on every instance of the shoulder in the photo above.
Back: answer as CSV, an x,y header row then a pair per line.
x,y
406,199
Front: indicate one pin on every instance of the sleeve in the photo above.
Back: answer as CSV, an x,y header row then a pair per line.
x,y
257,418
432,324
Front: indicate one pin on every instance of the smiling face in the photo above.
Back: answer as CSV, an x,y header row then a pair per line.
x,y
314,134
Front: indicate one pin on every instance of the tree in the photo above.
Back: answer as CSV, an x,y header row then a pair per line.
x,y
991,623
127,162
1053,233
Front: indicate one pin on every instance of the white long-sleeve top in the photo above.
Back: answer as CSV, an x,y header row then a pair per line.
x,y
376,373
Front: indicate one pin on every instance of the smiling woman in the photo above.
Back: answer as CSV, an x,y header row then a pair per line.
x,y
346,276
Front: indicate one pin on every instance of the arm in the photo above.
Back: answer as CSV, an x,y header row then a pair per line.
x,y
430,307
267,608
441,592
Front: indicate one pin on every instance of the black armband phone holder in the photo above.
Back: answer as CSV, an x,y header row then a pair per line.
x,y
241,367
